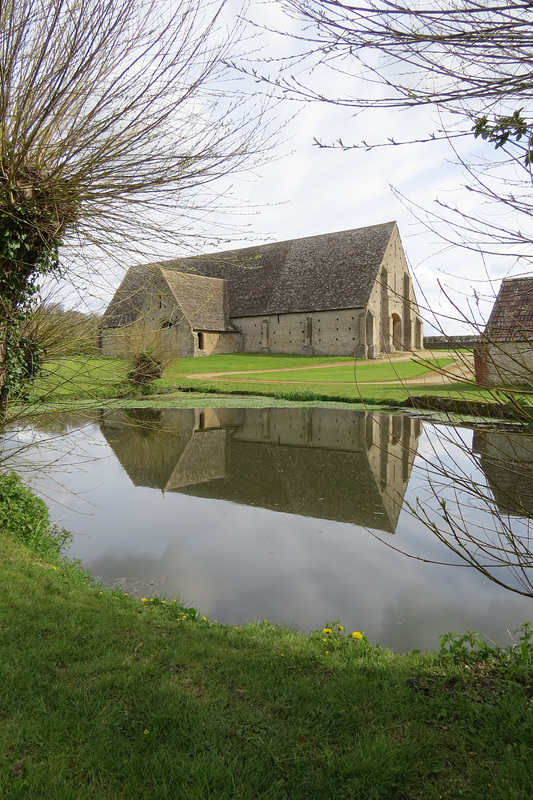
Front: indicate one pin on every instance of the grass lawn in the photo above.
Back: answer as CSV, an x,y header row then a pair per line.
x,y
93,379
82,376
351,373
106,697
241,362
365,393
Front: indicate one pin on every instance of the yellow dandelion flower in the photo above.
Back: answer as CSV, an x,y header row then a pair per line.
x,y
204,618
143,599
327,651
341,627
146,732
357,635
281,654
151,599
326,630
324,640
55,567
163,602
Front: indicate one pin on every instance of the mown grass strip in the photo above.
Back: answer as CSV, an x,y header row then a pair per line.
x,y
242,362
357,372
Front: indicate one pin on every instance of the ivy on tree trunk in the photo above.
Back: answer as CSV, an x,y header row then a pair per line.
x,y
27,253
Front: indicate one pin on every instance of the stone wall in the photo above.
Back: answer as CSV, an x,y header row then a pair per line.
x,y
335,333
504,363
176,340
393,305
208,343
466,342
109,340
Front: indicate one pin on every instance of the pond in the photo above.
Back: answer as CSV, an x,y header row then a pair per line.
x,y
296,515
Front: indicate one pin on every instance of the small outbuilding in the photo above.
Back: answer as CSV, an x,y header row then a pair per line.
x,y
345,294
504,355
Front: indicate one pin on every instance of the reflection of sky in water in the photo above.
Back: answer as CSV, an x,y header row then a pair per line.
x,y
238,562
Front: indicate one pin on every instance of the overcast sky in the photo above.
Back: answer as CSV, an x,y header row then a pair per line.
x,y
305,190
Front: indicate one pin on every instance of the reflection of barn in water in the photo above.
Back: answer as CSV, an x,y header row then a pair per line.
x,y
506,458
348,466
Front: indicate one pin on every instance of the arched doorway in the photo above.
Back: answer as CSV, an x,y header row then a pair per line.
x,y
397,333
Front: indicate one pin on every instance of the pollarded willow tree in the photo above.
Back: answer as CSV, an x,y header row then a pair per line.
x,y
116,119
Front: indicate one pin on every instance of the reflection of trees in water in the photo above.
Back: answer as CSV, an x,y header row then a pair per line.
x,y
22,441
61,421
349,466
485,523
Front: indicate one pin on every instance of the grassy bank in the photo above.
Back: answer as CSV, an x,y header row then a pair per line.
x,y
104,696
66,381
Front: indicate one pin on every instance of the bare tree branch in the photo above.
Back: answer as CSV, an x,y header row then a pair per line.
x,y
117,120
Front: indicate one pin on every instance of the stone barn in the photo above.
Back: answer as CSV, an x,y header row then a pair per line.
x,y
344,294
504,355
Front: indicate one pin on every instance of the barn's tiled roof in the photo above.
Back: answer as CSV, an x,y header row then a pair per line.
x,y
127,302
511,319
202,300
331,271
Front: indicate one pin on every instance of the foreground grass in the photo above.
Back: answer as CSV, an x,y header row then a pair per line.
x,y
103,696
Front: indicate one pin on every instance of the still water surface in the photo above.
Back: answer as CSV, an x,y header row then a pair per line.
x,y
293,515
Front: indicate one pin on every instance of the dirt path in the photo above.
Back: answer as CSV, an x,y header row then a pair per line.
x,y
463,369
257,371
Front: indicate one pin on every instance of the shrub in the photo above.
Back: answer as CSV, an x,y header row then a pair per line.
x,y
146,367
25,517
